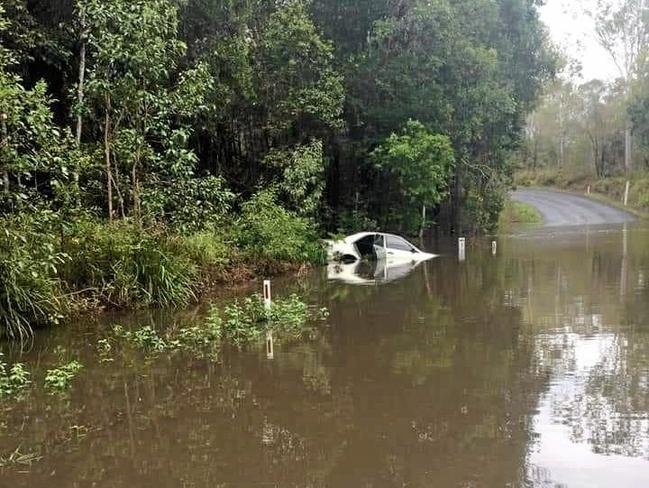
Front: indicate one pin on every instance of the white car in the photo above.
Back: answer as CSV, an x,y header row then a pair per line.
x,y
375,245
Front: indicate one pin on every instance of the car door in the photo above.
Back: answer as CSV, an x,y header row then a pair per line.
x,y
398,249
379,246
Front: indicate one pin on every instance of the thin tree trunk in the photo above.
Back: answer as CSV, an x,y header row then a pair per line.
x,y
109,172
423,222
82,78
136,190
628,148
5,142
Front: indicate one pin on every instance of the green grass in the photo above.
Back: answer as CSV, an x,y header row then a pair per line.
x,y
518,213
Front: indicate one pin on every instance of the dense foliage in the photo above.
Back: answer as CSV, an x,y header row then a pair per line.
x,y
150,140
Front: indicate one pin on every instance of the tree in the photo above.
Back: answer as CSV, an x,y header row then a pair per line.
x,y
419,164
33,149
146,117
622,29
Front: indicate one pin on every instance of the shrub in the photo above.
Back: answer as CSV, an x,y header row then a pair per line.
x,y
269,235
189,205
211,251
30,292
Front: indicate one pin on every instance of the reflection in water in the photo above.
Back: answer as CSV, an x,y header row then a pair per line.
x,y
371,272
526,369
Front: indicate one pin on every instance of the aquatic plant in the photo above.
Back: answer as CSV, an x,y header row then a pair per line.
x,y
249,319
59,379
13,380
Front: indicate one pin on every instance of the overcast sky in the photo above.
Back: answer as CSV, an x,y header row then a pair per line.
x,y
573,31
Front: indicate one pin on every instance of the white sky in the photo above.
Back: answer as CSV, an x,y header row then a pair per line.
x,y
573,32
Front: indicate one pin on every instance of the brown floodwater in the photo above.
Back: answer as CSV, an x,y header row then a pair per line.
x,y
527,369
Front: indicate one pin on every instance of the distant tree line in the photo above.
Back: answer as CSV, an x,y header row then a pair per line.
x,y
596,127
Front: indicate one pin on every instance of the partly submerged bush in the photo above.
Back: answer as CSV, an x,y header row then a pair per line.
x,y
249,318
13,380
270,235
58,380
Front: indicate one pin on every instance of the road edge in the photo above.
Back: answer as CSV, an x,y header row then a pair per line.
x,y
596,197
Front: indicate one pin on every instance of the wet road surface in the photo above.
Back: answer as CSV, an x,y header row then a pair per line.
x,y
565,209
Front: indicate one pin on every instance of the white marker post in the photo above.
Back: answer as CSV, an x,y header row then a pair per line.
x,y
462,248
494,248
268,301
588,190
626,193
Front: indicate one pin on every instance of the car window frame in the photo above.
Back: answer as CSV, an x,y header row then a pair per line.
x,y
411,248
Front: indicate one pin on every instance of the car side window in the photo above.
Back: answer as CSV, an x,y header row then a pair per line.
x,y
379,241
398,244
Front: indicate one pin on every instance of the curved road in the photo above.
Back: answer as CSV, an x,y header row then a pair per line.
x,y
563,209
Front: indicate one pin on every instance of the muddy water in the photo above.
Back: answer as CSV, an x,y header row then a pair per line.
x,y
526,369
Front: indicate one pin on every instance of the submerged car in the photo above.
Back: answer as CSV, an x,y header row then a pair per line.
x,y
375,245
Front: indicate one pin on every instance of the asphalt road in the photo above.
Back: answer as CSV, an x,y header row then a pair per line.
x,y
565,209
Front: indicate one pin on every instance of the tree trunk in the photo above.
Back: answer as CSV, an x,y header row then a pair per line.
x,y
81,80
136,190
109,172
628,148
5,142
423,222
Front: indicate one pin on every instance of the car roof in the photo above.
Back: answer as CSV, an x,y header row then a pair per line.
x,y
360,235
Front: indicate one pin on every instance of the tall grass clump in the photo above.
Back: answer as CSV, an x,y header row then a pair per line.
x,y
270,235
30,292
212,251
124,265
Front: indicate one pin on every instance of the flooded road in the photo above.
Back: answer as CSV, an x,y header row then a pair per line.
x,y
527,369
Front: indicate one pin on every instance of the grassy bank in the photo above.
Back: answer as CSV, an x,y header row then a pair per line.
x,y
518,213
609,189
53,266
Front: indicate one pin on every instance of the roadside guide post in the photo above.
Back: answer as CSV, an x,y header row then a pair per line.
x,y
626,193
268,303
494,248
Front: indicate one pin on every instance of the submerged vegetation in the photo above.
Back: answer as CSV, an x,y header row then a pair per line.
x,y
59,379
241,322
151,148
13,380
